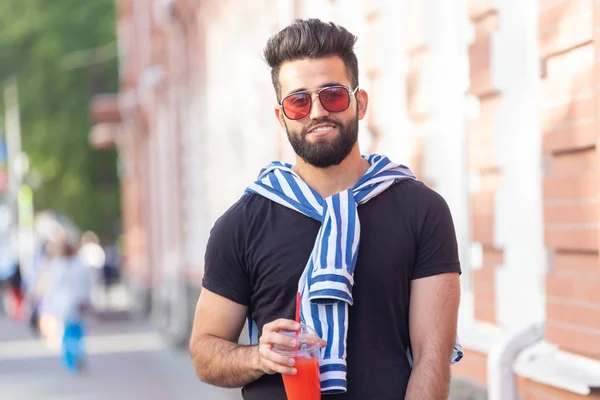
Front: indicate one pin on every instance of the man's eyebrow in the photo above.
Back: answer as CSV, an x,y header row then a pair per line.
x,y
321,87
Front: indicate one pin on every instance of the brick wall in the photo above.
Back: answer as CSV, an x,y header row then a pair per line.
x,y
530,390
570,125
472,368
373,64
481,157
417,57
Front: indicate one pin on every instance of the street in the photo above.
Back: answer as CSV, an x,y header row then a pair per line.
x,y
127,360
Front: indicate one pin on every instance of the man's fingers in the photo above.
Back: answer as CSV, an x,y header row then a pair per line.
x,y
277,338
268,354
282,324
271,361
276,363
280,369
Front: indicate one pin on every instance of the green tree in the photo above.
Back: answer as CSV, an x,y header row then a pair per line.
x,y
49,46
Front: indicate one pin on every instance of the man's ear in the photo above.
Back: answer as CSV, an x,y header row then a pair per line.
x,y
279,115
362,98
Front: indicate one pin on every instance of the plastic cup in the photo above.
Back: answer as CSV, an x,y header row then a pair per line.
x,y
305,384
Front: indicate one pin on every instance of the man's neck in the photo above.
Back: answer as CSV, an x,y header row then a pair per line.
x,y
335,179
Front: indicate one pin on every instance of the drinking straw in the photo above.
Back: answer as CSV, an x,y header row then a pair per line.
x,y
297,320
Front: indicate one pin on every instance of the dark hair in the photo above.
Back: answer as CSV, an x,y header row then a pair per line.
x,y
311,38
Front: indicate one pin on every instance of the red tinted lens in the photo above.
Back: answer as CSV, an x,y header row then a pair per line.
x,y
296,106
335,99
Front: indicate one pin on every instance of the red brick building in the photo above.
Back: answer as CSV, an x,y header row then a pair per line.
x,y
492,103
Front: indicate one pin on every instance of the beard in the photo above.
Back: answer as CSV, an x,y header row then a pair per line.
x,y
325,152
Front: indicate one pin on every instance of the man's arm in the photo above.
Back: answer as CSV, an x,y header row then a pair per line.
x,y
433,318
217,357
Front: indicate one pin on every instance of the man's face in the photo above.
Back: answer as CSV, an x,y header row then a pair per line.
x,y
321,138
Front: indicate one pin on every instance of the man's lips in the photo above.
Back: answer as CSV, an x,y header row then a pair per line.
x,y
322,129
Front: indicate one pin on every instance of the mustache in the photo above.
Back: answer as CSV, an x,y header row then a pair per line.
x,y
321,121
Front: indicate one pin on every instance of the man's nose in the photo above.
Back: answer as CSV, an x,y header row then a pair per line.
x,y
317,110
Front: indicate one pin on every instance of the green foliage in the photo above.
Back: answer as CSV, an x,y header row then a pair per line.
x,y
39,42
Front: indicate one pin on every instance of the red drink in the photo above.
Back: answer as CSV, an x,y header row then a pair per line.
x,y
305,384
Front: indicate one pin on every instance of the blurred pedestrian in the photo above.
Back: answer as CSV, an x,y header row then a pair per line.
x,y
36,288
110,268
68,300
13,290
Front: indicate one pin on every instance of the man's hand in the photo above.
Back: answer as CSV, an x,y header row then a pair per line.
x,y
219,359
271,362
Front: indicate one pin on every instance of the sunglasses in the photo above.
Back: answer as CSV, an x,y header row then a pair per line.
x,y
333,99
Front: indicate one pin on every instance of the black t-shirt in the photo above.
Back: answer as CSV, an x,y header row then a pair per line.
x,y
258,249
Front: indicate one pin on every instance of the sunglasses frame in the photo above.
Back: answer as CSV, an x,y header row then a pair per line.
x,y
318,94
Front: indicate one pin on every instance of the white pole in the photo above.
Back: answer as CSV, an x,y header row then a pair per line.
x,y
19,196
12,129
13,138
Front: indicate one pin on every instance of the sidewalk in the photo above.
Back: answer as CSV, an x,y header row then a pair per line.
x,y
127,361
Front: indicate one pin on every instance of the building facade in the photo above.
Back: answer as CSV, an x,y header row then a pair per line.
x,y
491,103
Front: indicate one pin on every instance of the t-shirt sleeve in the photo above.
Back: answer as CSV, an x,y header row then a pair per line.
x,y
224,261
437,248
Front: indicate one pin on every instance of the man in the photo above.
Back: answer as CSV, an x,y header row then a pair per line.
x,y
378,246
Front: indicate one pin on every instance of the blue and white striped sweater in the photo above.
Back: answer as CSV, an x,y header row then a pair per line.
x,y
327,281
